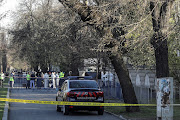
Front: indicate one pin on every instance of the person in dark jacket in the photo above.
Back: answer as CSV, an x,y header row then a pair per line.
x,y
39,80
32,81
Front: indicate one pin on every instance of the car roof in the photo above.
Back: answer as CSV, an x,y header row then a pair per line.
x,y
80,78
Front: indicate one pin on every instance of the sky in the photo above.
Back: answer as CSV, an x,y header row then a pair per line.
x,y
8,6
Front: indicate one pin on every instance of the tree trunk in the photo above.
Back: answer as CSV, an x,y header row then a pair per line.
x,y
160,19
74,64
4,61
161,55
126,84
44,67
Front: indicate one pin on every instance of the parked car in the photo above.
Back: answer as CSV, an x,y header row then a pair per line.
x,y
80,90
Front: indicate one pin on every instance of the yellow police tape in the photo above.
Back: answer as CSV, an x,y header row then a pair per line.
x,y
72,103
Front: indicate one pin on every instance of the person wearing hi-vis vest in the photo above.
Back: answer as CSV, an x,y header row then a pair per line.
x,y
11,80
61,75
28,78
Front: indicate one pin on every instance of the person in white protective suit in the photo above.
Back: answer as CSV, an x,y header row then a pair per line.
x,y
57,80
46,80
53,76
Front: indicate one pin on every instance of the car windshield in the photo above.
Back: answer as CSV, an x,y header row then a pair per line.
x,y
83,84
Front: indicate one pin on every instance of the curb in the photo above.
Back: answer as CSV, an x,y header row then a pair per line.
x,y
119,116
6,108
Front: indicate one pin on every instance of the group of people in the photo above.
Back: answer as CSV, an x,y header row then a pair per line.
x,y
2,78
32,79
50,79
37,79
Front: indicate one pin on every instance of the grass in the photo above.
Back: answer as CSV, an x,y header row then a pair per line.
x,y
3,93
146,113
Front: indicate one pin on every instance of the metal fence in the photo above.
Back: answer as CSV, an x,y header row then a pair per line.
x,y
113,90
20,81
144,95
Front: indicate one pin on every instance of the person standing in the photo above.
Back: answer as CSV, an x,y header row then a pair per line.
x,y
57,80
50,80
11,81
46,80
32,80
2,76
39,79
1,81
53,76
28,77
61,75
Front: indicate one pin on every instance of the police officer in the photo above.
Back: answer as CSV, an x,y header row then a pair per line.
x,y
61,75
28,78
11,81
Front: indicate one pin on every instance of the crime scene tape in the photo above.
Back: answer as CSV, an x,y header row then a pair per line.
x,y
72,103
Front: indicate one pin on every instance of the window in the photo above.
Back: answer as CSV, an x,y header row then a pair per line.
x,y
83,84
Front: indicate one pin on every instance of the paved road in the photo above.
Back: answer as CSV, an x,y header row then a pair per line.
x,y
22,111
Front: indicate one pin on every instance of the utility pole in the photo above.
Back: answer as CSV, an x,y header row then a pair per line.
x,y
165,98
